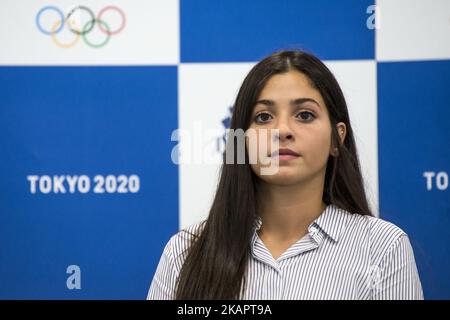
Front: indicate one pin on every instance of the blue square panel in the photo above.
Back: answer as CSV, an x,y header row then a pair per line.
x,y
105,131
414,163
236,30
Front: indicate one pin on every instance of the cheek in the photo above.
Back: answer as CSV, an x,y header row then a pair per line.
x,y
259,144
317,144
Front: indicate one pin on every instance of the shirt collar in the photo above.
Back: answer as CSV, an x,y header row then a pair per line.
x,y
331,221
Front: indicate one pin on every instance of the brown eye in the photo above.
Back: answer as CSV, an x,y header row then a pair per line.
x,y
306,116
262,117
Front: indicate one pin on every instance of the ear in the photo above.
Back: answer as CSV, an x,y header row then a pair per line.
x,y
342,131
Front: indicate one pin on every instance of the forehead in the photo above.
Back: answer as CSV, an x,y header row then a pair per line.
x,y
291,84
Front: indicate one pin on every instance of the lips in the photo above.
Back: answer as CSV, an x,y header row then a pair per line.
x,y
284,152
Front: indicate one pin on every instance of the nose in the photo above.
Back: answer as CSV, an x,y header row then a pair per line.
x,y
284,132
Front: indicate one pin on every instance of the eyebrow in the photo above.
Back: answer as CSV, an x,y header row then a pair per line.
x,y
294,102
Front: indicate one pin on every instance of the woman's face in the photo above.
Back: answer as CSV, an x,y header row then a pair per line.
x,y
290,104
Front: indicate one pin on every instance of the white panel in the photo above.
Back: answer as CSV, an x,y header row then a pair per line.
x,y
206,91
150,35
413,30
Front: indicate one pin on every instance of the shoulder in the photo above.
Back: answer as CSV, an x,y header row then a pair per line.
x,y
377,228
171,262
179,243
380,236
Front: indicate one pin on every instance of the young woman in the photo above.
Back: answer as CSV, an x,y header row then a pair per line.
x,y
303,232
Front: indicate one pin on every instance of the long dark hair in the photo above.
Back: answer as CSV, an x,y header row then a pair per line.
x,y
215,264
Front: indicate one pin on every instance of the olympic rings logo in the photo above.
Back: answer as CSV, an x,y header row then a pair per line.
x,y
80,31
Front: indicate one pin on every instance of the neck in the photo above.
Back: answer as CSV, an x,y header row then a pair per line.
x,y
288,210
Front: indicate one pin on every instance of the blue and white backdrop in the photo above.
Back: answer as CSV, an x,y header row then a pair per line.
x,y
89,194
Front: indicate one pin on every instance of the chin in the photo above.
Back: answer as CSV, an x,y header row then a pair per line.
x,y
284,176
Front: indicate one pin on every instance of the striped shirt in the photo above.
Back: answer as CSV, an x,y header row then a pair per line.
x,y
343,256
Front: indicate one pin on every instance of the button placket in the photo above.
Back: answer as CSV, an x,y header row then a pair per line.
x,y
280,285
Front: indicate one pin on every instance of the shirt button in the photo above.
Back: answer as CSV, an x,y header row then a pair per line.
x,y
313,231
